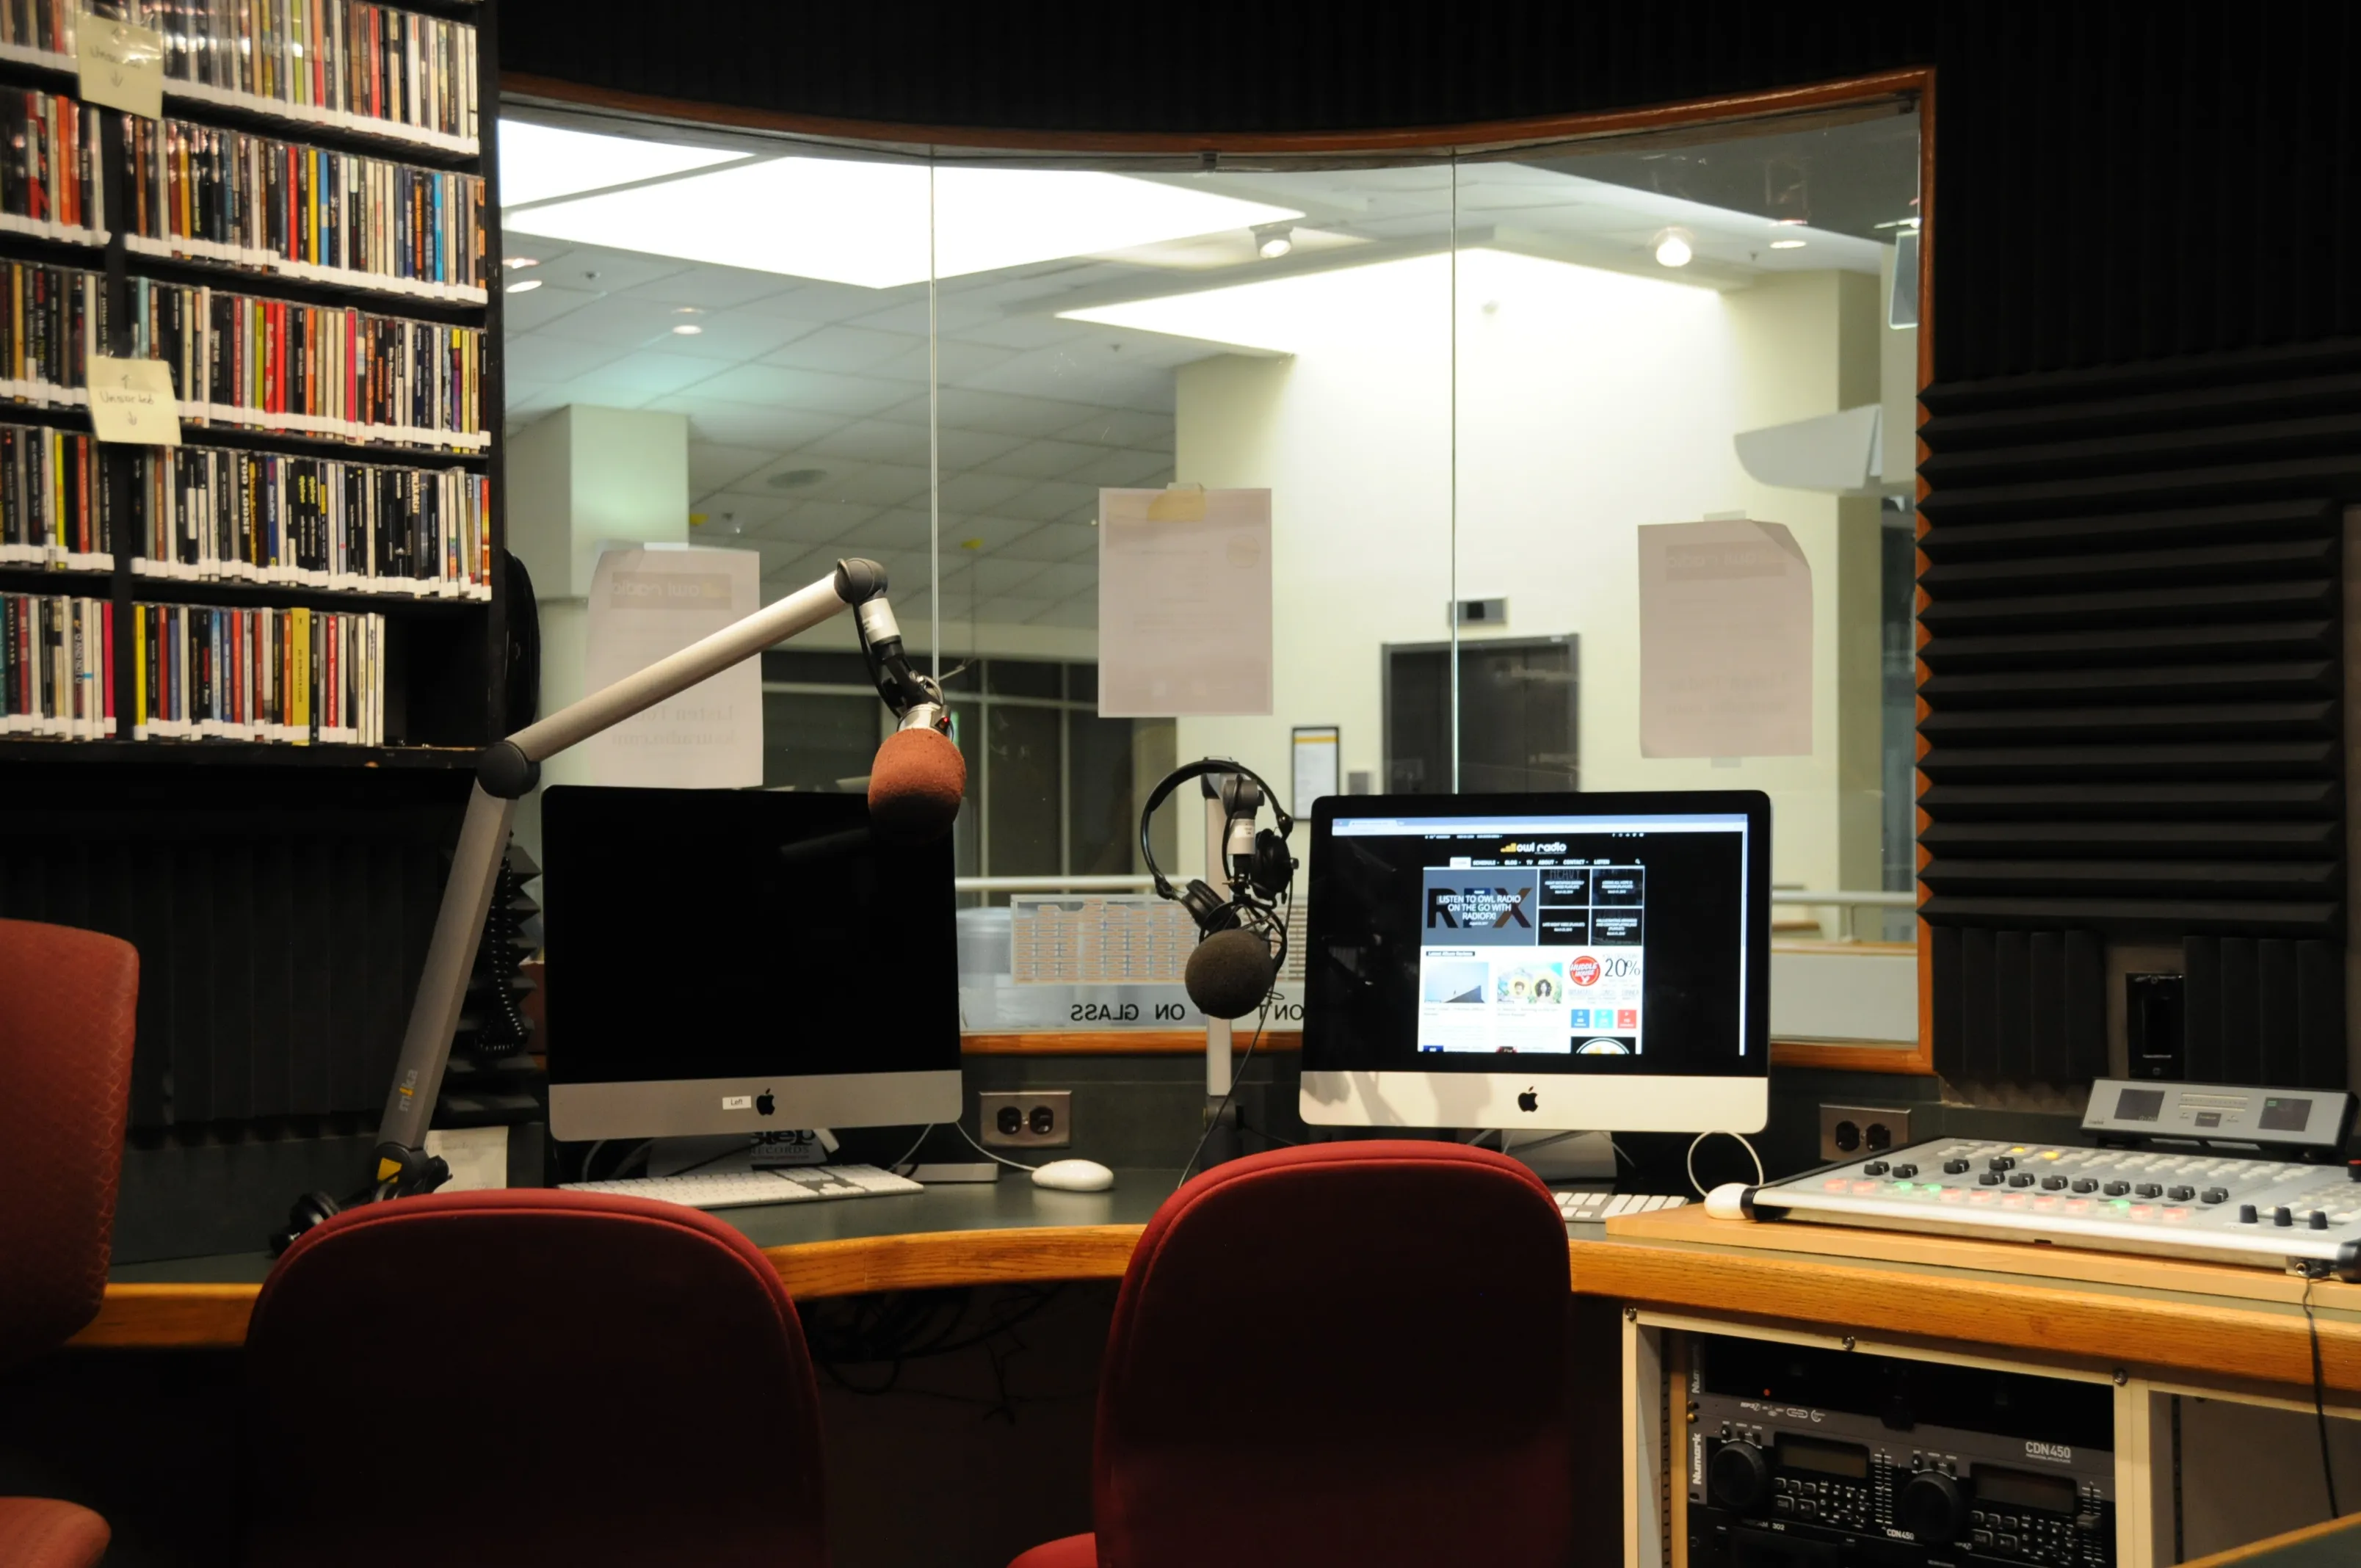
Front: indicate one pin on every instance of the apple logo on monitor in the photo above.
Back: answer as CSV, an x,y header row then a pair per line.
x,y
765,1103
1529,1101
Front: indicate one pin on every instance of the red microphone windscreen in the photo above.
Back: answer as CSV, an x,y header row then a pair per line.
x,y
915,786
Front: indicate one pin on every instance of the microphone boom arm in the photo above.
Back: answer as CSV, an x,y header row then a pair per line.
x,y
508,769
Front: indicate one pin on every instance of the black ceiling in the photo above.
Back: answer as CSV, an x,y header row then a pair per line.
x,y
2114,180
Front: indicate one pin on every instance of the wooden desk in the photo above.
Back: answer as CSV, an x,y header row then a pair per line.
x,y
2336,1544
2157,1317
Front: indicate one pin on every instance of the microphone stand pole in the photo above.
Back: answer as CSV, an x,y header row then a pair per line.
x,y
507,769
1222,1121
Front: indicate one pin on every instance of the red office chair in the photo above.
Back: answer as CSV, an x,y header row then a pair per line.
x,y
68,1000
530,1376
1348,1354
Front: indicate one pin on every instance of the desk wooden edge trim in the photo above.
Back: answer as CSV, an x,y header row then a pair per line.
x,y
2221,1337
170,1316
933,1259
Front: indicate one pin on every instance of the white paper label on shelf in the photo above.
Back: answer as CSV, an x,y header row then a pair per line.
x,y
122,65
131,400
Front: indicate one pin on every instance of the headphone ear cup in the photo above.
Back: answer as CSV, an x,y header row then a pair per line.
x,y
1274,868
1210,910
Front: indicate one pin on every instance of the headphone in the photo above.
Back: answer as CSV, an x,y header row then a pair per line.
x,y
1260,872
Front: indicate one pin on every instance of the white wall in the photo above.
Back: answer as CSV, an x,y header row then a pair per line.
x,y
1589,403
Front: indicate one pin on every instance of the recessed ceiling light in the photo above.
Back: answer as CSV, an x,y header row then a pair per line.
x,y
841,221
1274,240
687,329
1787,245
688,310
523,286
539,163
1672,247
796,478
517,263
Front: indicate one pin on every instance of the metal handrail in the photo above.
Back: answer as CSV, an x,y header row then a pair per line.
x,y
1850,899
1053,884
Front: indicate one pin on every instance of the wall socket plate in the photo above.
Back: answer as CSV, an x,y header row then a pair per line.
x,y
1856,1132
1035,1119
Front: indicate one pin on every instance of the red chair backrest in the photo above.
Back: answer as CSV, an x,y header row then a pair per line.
x,y
67,1001
1351,1353
530,1376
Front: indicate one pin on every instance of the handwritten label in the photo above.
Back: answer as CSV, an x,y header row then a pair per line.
x,y
122,66
131,400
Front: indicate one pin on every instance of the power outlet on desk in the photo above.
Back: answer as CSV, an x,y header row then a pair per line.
x,y
1850,1131
1037,1119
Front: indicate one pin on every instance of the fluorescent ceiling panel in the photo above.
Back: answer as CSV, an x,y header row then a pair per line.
x,y
1290,314
867,223
539,163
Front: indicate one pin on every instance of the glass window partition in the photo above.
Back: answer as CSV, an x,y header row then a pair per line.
x,y
1486,392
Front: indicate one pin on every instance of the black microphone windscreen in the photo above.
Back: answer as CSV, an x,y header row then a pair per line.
x,y
915,786
1229,973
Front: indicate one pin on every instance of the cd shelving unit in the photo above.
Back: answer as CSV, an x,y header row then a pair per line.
x,y
309,236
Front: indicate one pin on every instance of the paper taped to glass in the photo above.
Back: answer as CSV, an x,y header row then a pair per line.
x,y
1725,640
1184,603
646,603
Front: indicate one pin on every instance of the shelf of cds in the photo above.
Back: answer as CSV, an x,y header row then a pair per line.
x,y
307,239
368,69
210,194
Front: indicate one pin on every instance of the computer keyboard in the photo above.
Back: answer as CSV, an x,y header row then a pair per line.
x,y
744,1189
1592,1207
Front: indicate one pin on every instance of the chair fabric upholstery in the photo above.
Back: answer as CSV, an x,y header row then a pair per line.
x,y
68,1001
37,1533
530,1376
1347,1352
1071,1552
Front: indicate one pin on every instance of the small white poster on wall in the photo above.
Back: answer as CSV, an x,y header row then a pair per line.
x,y
1184,603
1725,640
650,601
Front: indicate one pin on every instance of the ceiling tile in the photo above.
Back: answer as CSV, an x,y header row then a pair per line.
x,y
899,528
1021,332
973,492
1056,502
1066,580
1122,427
846,397
537,307
1124,469
880,483
712,464
747,424
1003,610
538,357
1081,610
648,374
1001,413
874,441
843,348
815,521
589,266
1042,460
1044,541
714,288
954,362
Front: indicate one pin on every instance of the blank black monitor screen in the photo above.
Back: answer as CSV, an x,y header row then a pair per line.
x,y
684,944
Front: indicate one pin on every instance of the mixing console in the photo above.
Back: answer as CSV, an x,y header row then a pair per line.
x,y
2194,1189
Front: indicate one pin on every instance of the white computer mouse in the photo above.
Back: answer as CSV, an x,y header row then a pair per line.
x,y
1074,1175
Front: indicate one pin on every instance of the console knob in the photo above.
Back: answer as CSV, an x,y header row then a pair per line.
x,y
1931,1508
2318,1220
2246,1215
2181,1194
1989,1179
2053,1184
2282,1216
1874,1168
2117,1189
2085,1184
2148,1189
1906,1171
1954,1167
2021,1179
2215,1195
1739,1477
2002,1162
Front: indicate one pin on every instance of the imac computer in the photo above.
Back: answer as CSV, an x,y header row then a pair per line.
x,y
1559,961
743,962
